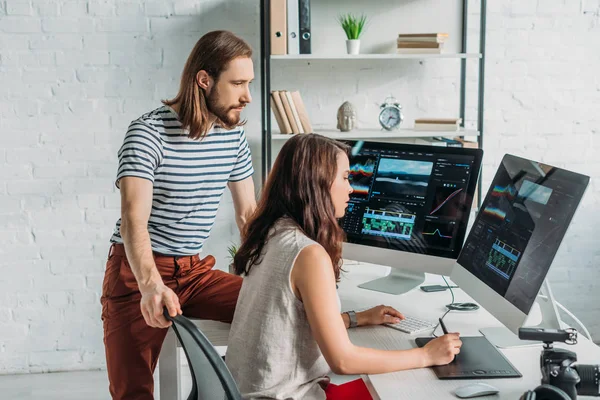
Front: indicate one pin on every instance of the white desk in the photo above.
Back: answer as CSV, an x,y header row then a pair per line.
x,y
413,384
422,383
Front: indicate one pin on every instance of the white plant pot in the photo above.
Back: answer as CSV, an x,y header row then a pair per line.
x,y
353,46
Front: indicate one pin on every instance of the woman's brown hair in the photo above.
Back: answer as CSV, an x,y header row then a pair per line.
x,y
298,187
212,53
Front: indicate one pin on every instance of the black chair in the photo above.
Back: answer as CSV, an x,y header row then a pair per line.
x,y
211,378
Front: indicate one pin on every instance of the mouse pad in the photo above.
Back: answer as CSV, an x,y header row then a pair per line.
x,y
478,359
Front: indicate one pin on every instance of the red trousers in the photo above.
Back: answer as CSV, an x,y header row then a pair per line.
x,y
353,390
132,347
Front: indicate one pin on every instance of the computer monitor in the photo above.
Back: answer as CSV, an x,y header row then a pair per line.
x,y
409,209
514,238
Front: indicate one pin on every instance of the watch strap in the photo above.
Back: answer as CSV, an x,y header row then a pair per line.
x,y
352,318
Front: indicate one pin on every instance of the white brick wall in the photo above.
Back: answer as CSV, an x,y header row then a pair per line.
x,y
542,101
74,73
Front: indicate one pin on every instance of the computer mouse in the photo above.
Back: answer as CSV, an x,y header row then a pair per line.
x,y
475,390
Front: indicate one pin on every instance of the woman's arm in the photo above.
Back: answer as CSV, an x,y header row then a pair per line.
x,y
313,282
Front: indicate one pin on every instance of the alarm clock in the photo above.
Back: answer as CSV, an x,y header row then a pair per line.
x,y
390,114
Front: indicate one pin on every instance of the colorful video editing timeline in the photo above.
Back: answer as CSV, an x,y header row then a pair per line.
x,y
391,224
401,196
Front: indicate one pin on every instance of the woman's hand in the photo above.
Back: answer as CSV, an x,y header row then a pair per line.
x,y
379,315
442,350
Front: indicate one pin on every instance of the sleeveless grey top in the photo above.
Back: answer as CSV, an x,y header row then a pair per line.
x,y
271,352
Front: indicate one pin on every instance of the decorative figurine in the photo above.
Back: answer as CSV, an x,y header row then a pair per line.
x,y
346,117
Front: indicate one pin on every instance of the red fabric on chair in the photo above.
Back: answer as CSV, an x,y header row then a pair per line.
x,y
353,390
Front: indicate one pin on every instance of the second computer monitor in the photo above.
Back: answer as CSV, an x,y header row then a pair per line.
x,y
409,209
514,238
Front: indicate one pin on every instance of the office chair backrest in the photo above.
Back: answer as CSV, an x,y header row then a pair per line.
x,y
211,378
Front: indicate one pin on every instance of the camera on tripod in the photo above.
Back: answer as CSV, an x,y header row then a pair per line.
x,y
558,366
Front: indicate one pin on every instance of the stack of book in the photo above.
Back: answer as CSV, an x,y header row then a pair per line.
x,y
290,113
446,142
417,43
438,124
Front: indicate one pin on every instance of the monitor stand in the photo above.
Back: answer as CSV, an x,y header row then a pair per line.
x,y
396,282
504,338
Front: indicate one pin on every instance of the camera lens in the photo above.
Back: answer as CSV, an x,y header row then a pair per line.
x,y
590,380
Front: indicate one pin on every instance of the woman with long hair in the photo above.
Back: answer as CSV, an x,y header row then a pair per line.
x,y
287,332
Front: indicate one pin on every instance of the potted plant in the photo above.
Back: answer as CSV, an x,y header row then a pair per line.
x,y
231,249
353,26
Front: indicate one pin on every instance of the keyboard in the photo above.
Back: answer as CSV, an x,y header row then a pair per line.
x,y
413,325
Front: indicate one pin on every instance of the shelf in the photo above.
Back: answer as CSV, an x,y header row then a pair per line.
x,y
310,57
374,133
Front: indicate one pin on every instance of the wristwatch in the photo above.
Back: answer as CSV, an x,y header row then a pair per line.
x,y
352,318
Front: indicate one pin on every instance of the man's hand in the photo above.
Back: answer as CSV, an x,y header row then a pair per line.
x,y
154,300
379,315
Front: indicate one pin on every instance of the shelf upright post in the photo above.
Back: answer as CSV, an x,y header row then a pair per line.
x,y
482,28
463,63
265,85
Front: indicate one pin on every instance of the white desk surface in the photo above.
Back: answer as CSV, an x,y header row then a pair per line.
x,y
422,383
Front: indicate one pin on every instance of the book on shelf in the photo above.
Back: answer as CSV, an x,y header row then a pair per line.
x,y
295,117
290,112
467,143
419,45
448,142
302,114
441,141
423,37
304,26
278,27
404,50
293,27
279,113
429,141
437,124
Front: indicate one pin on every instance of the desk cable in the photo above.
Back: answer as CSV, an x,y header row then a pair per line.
x,y
454,307
438,324
472,307
458,306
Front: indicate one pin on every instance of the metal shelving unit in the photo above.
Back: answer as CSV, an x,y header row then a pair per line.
x,y
266,59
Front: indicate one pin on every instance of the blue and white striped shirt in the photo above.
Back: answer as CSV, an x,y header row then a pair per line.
x,y
189,177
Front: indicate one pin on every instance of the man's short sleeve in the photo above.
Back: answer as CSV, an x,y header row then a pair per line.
x,y
141,152
243,165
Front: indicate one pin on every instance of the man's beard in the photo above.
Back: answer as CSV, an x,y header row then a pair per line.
x,y
222,112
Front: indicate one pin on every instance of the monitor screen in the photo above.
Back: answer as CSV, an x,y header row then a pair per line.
x,y
410,198
523,219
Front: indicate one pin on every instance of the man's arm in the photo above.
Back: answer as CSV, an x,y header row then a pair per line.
x,y
244,200
136,204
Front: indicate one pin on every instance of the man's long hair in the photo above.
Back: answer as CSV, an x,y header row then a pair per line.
x,y
212,53
298,187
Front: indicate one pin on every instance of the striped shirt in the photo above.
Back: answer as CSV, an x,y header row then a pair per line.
x,y
189,177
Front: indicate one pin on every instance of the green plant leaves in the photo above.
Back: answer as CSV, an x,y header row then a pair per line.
x,y
352,25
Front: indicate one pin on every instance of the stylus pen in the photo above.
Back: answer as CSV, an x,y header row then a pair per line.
x,y
443,327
